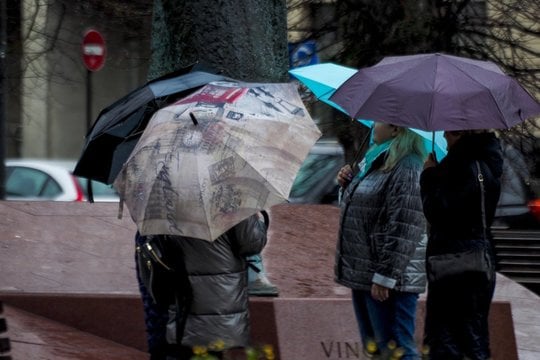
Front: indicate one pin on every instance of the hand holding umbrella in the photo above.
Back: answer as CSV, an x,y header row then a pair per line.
x,y
431,161
345,175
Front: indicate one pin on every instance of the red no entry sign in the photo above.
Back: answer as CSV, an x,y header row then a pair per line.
x,y
93,50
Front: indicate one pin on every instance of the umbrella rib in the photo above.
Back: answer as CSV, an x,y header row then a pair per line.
x,y
206,214
331,92
489,91
270,186
431,107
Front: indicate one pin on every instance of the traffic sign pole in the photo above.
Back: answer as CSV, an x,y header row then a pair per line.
x,y
93,53
88,99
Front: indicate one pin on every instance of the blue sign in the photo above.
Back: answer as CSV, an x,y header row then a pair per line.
x,y
303,53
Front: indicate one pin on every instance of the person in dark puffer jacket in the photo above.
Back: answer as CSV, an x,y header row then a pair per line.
x,y
457,307
380,253
157,313
211,281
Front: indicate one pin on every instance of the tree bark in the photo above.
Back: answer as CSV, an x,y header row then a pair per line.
x,y
243,39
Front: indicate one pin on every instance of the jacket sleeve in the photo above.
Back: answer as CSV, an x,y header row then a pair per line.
x,y
250,236
404,225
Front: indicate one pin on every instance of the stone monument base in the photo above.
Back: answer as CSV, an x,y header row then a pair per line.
x,y
314,329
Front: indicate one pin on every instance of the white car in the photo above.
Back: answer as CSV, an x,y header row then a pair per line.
x,y
41,179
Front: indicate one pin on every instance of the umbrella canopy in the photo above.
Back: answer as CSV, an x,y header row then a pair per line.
x,y
119,126
436,92
323,80
216,157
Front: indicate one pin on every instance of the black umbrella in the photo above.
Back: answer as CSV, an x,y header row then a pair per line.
x,y
118,127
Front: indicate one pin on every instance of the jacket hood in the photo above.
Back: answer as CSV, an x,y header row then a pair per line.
x,y
484,147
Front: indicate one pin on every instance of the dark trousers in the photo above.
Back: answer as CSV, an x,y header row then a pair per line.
x,y
155,318
457,312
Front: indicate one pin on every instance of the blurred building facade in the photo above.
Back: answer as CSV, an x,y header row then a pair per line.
x,y
49,118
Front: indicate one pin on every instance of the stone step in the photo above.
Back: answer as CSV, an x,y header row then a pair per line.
x,y
521,262
525,280
515,234
525,272
511,252
515,247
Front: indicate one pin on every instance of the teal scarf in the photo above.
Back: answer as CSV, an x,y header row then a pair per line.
x,y
371,155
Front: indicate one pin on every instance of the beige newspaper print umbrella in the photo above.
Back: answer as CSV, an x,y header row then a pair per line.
x,y
216,157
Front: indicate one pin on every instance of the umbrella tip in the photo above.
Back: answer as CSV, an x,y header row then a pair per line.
x,y
193,118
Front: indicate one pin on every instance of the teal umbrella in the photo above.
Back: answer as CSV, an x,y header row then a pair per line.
x,y
323,80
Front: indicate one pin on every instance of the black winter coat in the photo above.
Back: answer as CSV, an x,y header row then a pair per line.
x,y
451,193
457,307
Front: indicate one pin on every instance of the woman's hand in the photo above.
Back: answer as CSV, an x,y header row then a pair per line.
x,y
379,293
431,161
344,176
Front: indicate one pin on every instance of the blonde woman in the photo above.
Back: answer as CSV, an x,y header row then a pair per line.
x,y
380,253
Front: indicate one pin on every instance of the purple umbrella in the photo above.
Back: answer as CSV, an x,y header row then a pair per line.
x,y
436,92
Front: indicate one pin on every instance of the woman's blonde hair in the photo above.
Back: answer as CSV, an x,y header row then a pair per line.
x,y
405,143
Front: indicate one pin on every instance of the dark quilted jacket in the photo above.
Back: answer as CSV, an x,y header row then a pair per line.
x,y
217,283
216,289
382,235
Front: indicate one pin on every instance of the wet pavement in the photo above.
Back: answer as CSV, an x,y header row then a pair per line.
x,y
59,258
35,337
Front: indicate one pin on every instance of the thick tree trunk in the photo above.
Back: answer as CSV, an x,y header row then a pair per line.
x,y
245,39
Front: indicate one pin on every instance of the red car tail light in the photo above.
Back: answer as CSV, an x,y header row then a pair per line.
x,y
80,193
534,207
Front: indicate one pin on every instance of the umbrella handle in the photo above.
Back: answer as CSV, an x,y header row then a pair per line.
x,y
193,118
120,209
433,145
90,190
359,152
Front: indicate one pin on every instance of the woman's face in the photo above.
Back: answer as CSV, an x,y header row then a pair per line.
x,y
383,132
